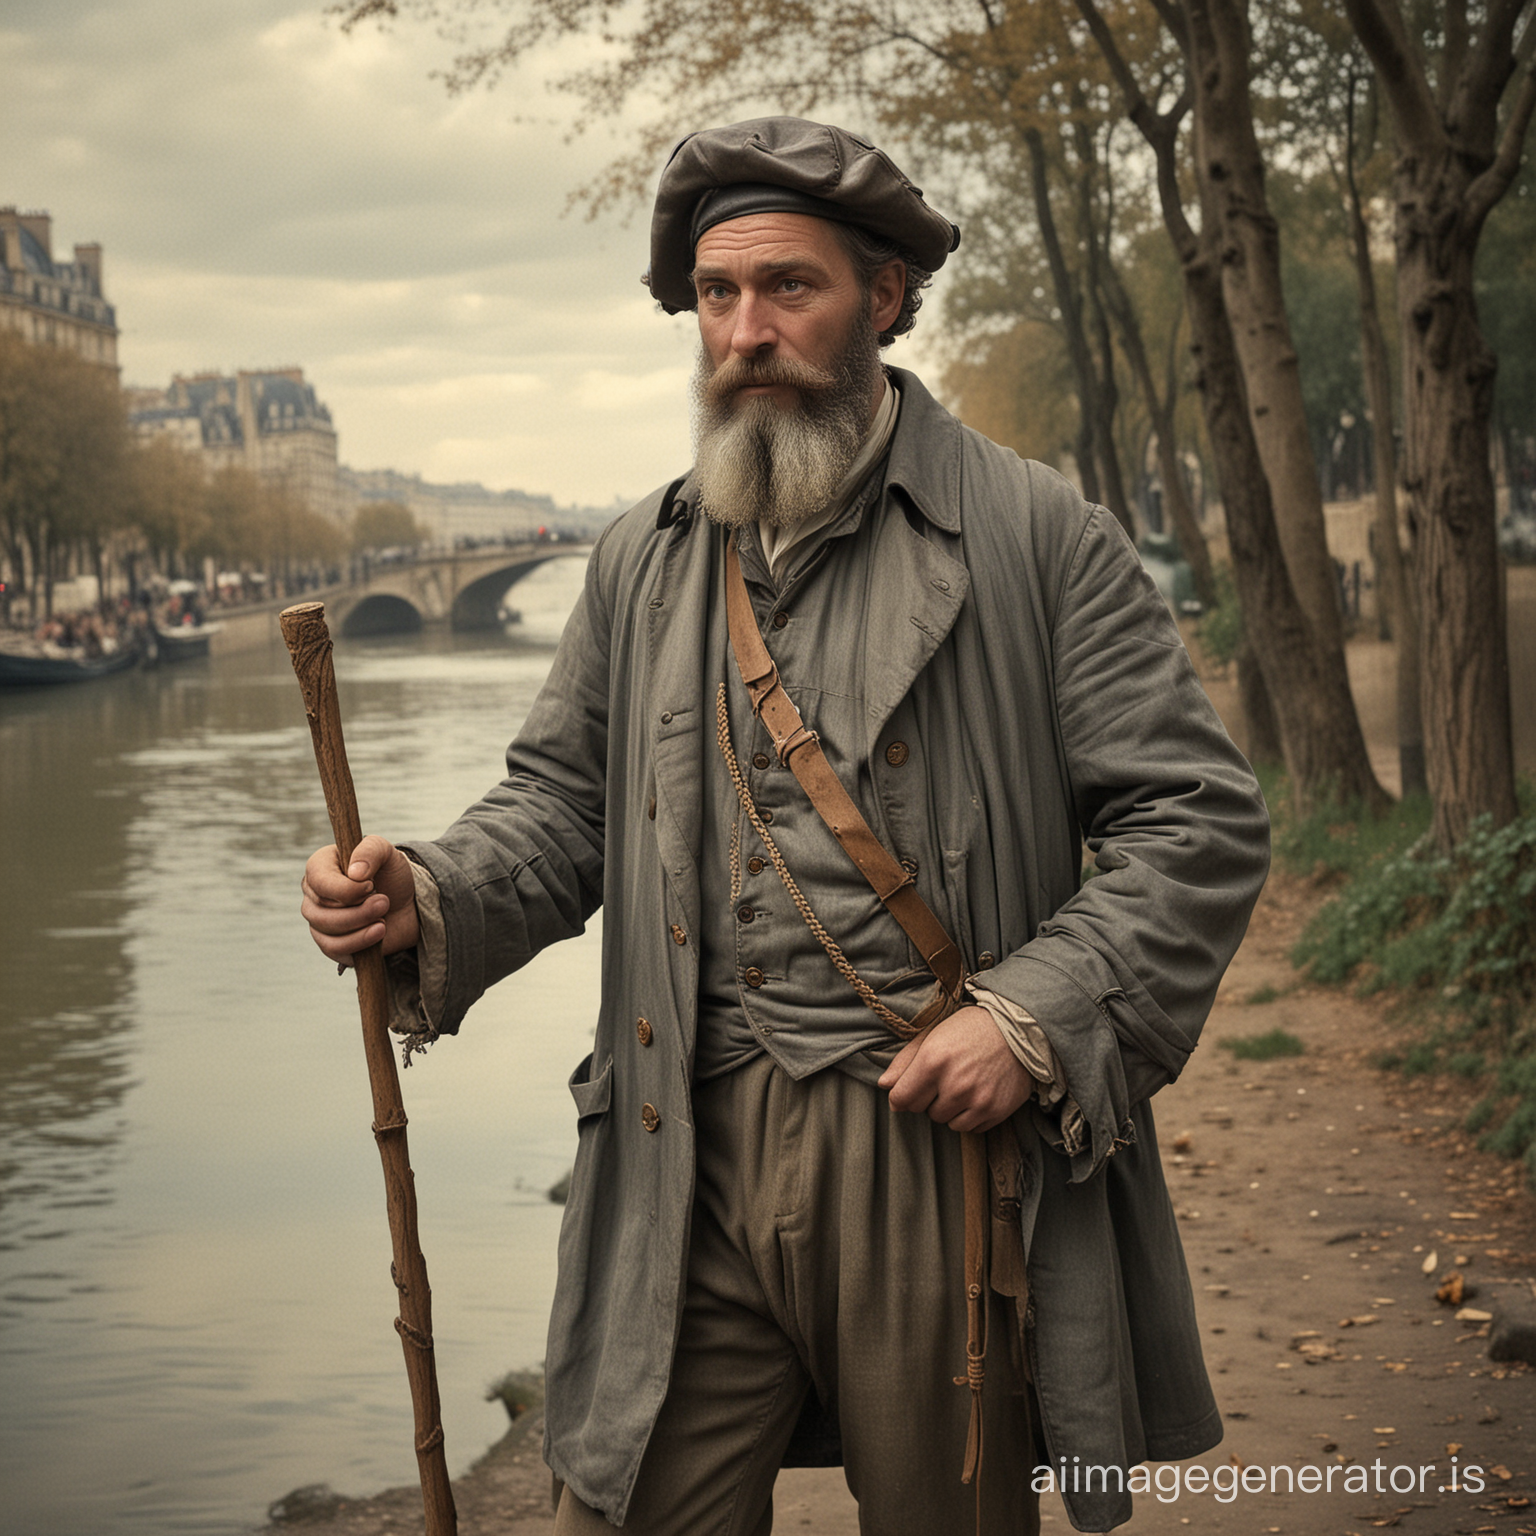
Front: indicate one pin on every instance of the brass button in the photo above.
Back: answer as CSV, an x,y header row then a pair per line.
x,y
650,810
754,865
745,914
759,759
643,1029
753,977
780,619
897,753
985,960
678,936
767,818
649,1118
910,865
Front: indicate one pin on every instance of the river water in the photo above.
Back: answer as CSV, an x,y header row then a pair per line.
x,y
195,1304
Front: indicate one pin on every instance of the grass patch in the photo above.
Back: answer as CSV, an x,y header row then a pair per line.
x,y
1263,995
1266,1047
517,1392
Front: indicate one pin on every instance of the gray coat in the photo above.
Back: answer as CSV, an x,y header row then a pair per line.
x,y
1015,643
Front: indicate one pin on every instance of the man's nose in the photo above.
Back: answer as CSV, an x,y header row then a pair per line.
x,y
754,330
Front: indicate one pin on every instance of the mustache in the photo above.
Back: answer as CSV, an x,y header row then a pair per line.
x,y
737,373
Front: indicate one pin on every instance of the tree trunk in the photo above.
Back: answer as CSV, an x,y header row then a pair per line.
x,y
1160,410
1399,604
1460,145
1264,743
1306,678
1068,302
1448,389
1307,682
1229,165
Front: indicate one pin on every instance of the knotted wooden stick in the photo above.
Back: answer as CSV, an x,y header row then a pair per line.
x,y
309,644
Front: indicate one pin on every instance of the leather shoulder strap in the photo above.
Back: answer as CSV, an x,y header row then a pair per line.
x,y
799,749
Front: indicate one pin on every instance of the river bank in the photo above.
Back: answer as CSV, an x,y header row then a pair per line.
x,y
1311,1191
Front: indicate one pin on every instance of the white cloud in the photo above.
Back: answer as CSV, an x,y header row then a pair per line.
x,y
269,190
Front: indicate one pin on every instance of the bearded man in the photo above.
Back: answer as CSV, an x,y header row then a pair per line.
x,y
825,737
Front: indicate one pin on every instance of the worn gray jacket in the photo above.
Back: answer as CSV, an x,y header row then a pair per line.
x,y
1014,642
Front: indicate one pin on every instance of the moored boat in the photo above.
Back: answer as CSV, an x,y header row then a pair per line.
x,y
183,642
33,664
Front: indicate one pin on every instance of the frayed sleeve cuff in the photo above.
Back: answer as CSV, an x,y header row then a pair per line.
x,y
418,978
1028,1042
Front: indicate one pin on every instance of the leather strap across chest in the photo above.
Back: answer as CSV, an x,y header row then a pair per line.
x,y
799,749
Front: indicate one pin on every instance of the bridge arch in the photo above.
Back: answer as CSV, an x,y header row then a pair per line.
x,y
381,613
478,605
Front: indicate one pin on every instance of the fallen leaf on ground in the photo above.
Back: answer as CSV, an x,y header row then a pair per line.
x,y
1452,1289
1430,1263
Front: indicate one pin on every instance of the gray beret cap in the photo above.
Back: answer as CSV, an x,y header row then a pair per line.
x,y
788,165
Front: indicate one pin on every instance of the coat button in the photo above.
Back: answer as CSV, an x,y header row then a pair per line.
x,y
780,619
753,977
759,759
649,1118
678,936
745,914
644,1031
666,717
985,960
754,865
897,753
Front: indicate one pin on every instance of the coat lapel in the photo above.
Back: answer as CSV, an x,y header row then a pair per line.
x,y
679,702
916,593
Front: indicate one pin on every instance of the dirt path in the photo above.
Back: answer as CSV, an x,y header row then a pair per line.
x,y
1311,1192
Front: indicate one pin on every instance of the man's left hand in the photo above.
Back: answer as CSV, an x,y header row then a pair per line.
x,y
960,1073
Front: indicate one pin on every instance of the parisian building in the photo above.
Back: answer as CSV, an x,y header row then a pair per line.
x,y
267,421
54,303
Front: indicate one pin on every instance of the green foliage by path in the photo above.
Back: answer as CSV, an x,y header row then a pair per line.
x,y
1269,1046
1220,630
1453,935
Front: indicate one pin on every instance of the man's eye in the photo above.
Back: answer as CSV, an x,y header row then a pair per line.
x,y
792,285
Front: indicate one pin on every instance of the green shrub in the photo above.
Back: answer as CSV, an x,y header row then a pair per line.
x,y
1458,931
1220,630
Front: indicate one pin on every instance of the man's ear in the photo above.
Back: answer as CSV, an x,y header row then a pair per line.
x,y
886,293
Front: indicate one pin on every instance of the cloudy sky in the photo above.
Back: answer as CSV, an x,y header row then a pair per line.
x,y
269,191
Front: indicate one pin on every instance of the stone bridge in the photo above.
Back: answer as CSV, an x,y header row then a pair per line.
x,y
463,589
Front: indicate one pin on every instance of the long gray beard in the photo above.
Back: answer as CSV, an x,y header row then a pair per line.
x,y
758,461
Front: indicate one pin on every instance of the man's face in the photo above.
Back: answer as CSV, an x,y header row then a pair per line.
x,y
789,373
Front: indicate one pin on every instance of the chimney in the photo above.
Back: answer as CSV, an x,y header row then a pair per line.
x,y
40,227
88,259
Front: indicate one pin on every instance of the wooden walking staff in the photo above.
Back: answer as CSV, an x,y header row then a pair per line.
x,y
309,644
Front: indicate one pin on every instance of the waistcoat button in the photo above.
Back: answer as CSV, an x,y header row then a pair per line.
x,y
767,818
745,913
985,960
678,936
753,977
649,1118
780,619
643,1030
896,754
754,865
759,759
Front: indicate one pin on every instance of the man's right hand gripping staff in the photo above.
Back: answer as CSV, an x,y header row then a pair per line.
x,y
373,899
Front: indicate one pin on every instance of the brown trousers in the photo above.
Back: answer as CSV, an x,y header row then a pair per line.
x,y
826,1256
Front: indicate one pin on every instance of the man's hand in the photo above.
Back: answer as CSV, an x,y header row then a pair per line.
x,y
373,899
960,1073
